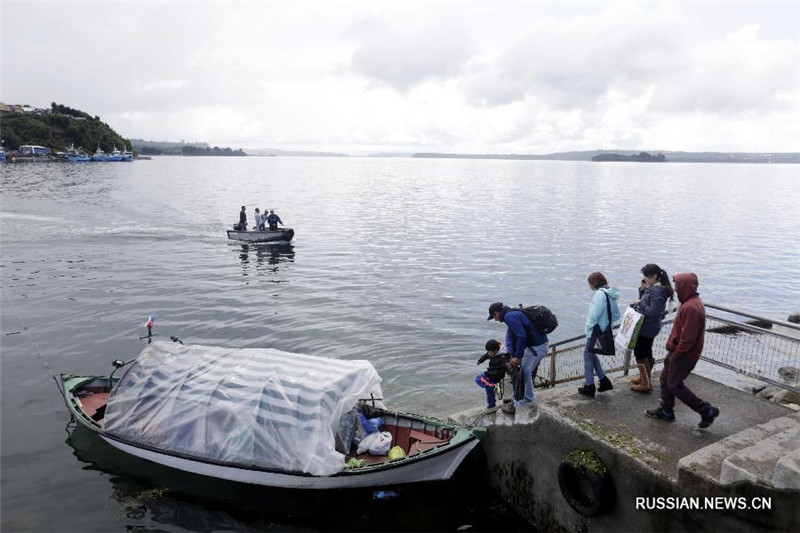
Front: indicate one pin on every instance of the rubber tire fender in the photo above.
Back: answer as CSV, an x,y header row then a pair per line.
x,y
589,493
289,235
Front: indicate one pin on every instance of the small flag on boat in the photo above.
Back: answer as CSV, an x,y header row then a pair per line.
x,y
151,320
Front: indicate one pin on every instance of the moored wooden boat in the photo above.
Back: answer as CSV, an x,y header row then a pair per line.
x,y
277,236
193,408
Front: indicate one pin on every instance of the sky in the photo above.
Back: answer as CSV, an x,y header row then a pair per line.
x,y
365,77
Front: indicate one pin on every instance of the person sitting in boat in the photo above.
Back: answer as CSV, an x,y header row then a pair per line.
x,y
273,220
242,219
494,374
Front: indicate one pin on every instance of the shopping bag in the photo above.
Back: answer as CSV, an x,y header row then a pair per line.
x,y
602,342
629,328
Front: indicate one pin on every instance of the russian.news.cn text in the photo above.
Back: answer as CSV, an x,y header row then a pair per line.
x,y
698,503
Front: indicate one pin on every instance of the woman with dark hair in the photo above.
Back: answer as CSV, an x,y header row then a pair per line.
x,y
605,297
652,303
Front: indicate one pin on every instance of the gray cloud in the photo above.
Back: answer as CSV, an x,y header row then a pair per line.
x,y
399,58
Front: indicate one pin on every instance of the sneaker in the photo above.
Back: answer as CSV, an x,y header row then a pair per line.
x,y
708,418
605,384
490,410
587,390
661,414
509,409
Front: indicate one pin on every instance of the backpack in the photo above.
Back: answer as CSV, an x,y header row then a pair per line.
x,y
542,317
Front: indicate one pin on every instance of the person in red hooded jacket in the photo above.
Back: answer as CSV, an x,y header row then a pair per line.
x,y
684,346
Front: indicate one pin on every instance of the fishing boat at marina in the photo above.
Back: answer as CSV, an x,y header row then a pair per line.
x,y
99,155
76,155
262,416
127,155
276,236
115,155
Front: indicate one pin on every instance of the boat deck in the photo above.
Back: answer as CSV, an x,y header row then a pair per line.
x,y
94,403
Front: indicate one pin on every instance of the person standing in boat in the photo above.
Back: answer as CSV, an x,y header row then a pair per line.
x,y
521,336
264,216
652,303
243,219
273,220
257,219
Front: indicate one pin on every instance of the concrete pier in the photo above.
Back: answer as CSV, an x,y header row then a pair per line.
x,y
748,458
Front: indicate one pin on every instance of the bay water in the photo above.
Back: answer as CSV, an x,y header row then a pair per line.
x,y
395,260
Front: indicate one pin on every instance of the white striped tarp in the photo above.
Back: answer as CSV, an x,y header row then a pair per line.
x,y
247,406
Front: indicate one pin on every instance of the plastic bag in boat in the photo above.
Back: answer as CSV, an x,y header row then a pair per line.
x,y
381,444
254,407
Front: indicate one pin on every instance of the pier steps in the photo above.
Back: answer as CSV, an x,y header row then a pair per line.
x,y
767,454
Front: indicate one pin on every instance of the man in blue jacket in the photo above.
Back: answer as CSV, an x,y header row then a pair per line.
x,y
521,335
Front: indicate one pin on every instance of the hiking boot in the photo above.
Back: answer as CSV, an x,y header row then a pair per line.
x,y
587,390
661,414
708,418
605,384
509,409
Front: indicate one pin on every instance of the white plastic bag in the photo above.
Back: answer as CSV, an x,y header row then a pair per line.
x,y
629,326
381,444
366,442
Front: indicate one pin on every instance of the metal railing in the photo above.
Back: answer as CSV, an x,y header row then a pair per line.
x,y
754,348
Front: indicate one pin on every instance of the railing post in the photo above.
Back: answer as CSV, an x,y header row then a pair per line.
x,y
627,364
553,366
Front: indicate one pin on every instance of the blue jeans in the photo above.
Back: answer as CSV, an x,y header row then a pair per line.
x,y
530,361
591,364
486,384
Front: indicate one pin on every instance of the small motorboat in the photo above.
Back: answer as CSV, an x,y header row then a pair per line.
x,y
262,416
278,236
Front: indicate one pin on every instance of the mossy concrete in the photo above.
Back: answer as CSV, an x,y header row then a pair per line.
x,y
524,451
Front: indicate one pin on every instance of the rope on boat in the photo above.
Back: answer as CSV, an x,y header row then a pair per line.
x,y
35,344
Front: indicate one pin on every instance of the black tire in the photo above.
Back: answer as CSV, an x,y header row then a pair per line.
x,y
589,493
289,235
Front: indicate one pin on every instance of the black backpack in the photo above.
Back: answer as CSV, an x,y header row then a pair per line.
x,y
542,317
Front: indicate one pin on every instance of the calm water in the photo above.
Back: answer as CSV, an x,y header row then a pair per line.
x,y
395,260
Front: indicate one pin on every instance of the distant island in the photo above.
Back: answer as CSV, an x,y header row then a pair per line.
x,y
641,157
671,157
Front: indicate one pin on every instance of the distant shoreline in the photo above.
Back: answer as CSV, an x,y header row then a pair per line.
x,y
671,157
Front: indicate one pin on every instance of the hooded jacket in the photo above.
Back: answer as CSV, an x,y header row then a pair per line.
x,y
521,332
689,329
652,304
598,311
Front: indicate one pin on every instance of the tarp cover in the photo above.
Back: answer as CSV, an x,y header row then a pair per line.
x,y
249,406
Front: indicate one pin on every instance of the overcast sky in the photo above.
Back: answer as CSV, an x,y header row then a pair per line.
x,y
375,76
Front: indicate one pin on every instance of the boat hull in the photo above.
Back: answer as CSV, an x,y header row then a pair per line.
x,y
435,464
434,468
277,236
